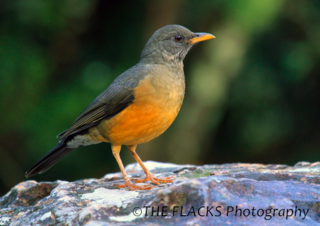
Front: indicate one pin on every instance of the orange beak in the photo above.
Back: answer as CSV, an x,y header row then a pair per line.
x,y
201,37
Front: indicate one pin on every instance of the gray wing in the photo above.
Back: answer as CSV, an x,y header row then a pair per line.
x,y
113,100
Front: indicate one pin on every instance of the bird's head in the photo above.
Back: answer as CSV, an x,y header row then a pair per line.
x,y
171,44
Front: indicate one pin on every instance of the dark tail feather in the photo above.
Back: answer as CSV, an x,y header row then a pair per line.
x,y
51,158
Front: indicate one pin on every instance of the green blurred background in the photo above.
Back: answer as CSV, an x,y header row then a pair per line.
x,y
252,93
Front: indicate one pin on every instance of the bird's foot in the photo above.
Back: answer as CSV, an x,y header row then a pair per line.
x,y
154,180
134,187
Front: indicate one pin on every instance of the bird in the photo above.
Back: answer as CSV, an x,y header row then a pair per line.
x,y
138,106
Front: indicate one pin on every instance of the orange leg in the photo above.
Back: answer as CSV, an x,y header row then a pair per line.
x,y
116,153
149,176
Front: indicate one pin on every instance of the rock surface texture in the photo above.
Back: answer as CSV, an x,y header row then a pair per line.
x,y
229,194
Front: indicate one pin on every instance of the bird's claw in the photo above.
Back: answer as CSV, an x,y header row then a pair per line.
x,y
134,187
154,180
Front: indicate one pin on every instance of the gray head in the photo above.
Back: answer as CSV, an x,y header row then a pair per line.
x,y
171,44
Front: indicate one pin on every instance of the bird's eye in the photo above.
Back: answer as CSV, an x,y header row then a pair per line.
x,y
178,38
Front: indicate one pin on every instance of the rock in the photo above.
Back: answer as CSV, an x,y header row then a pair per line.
x,y
229,194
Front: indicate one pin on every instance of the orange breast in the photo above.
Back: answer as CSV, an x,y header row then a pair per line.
x,y
139,124
147,117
